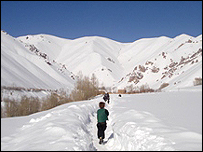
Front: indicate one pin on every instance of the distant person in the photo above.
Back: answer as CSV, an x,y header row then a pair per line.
x,y
106,97
102,116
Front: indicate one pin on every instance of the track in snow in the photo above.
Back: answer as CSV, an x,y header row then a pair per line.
x,y
108,133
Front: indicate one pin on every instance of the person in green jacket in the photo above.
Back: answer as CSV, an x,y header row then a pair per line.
x,y
102,116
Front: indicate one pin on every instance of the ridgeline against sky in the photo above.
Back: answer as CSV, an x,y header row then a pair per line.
x,y
121,21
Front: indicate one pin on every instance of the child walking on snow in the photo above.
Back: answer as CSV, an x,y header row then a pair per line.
x,y
102,116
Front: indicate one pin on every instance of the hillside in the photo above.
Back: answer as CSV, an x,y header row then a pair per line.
x,y
162,60
49,62
23,65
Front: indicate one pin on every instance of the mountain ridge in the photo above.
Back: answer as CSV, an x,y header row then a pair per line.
x,y
115,64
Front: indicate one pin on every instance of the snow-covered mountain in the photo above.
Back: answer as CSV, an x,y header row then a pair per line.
x,y
23,65
50,62
156,61
170,120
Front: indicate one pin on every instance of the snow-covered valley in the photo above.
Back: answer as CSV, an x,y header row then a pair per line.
x,y
168,119
146,122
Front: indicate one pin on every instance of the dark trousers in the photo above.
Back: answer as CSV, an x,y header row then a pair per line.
x,y
101,128
106,99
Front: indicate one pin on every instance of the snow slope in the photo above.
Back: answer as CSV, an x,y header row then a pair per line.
x,y
155,61
154,121
23,68
49,62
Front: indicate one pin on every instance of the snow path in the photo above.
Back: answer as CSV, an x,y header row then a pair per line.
x,y
128,135
108,132
72,127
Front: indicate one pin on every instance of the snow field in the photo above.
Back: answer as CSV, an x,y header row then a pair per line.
x,y
135,123
130,130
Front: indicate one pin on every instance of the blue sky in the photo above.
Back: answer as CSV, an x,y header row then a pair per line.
x,y
123,21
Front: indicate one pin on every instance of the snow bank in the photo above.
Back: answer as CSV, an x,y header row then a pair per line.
x,y
62,128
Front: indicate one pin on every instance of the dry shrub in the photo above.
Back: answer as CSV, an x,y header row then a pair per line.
x,y
85,88
50,102
26,106
11,108
145,88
